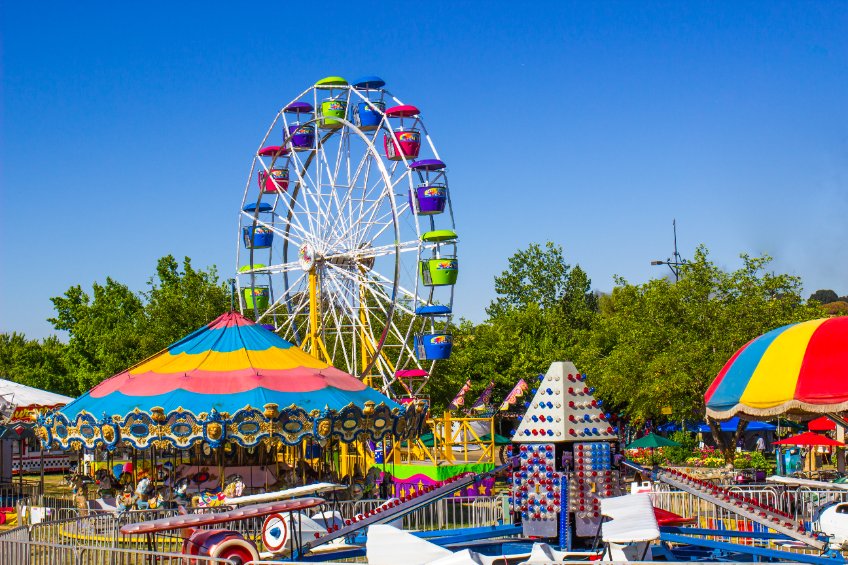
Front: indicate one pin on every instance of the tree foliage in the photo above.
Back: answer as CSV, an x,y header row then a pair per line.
x,y
541,305
178,302
40,364
660,344
115,328
824,296
105,330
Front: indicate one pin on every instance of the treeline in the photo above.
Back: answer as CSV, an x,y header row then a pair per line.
x,y
832,302
645,346
113,328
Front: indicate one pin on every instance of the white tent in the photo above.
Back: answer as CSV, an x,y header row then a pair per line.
x,y
27,396
19,405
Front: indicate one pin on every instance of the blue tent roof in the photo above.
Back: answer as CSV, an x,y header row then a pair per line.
x,y
727,426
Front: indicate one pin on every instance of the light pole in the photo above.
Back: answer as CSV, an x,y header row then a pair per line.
x,y
675,261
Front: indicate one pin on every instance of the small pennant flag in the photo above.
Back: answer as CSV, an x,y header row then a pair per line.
x,y
517,392
483,401
459,399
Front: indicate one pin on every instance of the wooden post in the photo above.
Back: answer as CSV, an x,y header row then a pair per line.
x,y
840,451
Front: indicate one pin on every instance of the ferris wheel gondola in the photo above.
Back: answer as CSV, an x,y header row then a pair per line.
x,y
347,242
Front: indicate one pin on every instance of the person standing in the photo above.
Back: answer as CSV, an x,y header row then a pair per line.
x,y
761,444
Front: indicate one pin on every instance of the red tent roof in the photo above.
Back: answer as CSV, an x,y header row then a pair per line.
x,y
809,438
823,424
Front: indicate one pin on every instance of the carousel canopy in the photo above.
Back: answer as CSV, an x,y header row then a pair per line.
x,y
800,369
230,380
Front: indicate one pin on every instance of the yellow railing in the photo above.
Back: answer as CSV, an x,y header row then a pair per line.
x,y
454,440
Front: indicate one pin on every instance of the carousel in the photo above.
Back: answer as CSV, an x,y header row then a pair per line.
x,y
231,403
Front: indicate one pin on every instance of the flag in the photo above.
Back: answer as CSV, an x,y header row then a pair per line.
x,y
459,399
483,401
517,392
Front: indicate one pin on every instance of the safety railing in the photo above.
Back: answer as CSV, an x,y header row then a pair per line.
x,y
41,553
446,513
101,529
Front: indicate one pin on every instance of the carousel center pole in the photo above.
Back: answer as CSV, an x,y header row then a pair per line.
x,y
221,464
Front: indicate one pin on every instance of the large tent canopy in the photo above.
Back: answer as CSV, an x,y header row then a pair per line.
x,y
20,406
230,380
799,369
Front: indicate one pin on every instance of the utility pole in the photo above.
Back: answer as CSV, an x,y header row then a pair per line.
x,y
675,261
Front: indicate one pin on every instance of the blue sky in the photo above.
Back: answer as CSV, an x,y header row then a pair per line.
x,y
128,131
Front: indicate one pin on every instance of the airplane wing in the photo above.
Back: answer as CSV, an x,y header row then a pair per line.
x,y
197,520
306,490
791,481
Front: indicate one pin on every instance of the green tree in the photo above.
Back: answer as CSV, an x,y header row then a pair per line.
x,y
824,296
662,343
541,308
534,276
39,364
179,302
105,332
116,328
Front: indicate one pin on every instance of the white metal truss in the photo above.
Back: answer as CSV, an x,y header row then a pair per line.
x,y
347,207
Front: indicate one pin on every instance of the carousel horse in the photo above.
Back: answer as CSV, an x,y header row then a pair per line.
x,y
142,493
233,488
126,501
107,484
156,501
79,490
180,497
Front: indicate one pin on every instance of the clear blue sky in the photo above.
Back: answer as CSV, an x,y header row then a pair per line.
x,y
128,130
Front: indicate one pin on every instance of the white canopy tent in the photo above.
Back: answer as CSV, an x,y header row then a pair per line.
x,y
19,406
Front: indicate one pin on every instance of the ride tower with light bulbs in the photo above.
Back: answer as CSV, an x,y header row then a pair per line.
x,y
564,462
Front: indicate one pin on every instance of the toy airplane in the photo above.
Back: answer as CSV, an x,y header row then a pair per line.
x,y
225,543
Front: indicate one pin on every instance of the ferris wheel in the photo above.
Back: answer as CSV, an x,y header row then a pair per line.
x,y
347,243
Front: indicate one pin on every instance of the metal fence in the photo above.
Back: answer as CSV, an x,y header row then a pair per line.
x,y
443,514
802,503
14,552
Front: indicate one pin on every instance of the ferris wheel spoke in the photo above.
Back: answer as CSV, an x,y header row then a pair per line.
x,y
346,205
274,226
400,290
296,314
271,310
305,182
385,225
402,338
368,218
279,268
352,234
